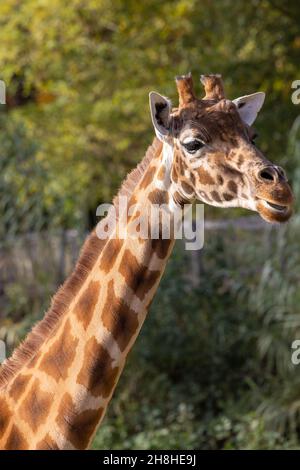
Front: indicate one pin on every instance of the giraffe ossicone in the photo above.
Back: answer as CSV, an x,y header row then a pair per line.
x,y
55,388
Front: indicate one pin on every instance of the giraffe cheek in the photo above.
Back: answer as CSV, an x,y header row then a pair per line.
x,y
205,177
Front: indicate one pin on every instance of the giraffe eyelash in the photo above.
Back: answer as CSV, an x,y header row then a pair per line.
x,y
192,146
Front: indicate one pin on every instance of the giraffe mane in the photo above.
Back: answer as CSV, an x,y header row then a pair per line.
x,y
88,256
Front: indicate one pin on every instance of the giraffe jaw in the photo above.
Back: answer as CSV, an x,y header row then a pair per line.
x,y
273,212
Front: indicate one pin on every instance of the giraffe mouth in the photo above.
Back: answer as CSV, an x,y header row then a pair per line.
x,y
273,212
276,207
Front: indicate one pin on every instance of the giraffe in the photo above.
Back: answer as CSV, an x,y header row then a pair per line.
x,y
55,388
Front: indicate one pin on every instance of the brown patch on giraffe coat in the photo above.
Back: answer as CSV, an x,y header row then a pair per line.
x,y
220,179
110,253
231,172
85,307
182,165
47,443
16,440
232,186
159,197
118,318
187,188
138,277
18,386
148,178
215,196
138,228
205,177
174,174
133,208
77,427
5,415
97,373
240,160
228,197
162,173
132,201
61,354
35,407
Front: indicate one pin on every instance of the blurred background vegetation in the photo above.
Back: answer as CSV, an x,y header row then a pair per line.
x,y
212,367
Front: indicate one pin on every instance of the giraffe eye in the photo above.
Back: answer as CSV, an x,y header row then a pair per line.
x,y
193,145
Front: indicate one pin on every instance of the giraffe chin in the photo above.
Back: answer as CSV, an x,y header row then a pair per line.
x,y
272,212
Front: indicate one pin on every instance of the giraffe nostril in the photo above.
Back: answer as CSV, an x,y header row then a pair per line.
x,y
267,174
281,173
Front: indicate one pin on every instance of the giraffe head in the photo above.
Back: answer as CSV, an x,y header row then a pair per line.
x,y
212,151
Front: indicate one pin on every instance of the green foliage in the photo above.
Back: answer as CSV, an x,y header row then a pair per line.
x,y
20,181
30,196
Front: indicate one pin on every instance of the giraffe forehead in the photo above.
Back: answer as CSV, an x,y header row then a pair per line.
x,y
210,121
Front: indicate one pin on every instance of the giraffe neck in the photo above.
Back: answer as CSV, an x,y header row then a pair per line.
x,y
59,396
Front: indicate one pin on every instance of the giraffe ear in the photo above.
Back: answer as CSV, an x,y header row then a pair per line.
x,y
160,108
249,105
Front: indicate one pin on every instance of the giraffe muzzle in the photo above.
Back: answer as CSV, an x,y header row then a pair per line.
x,y
273,194
275,204
272,212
